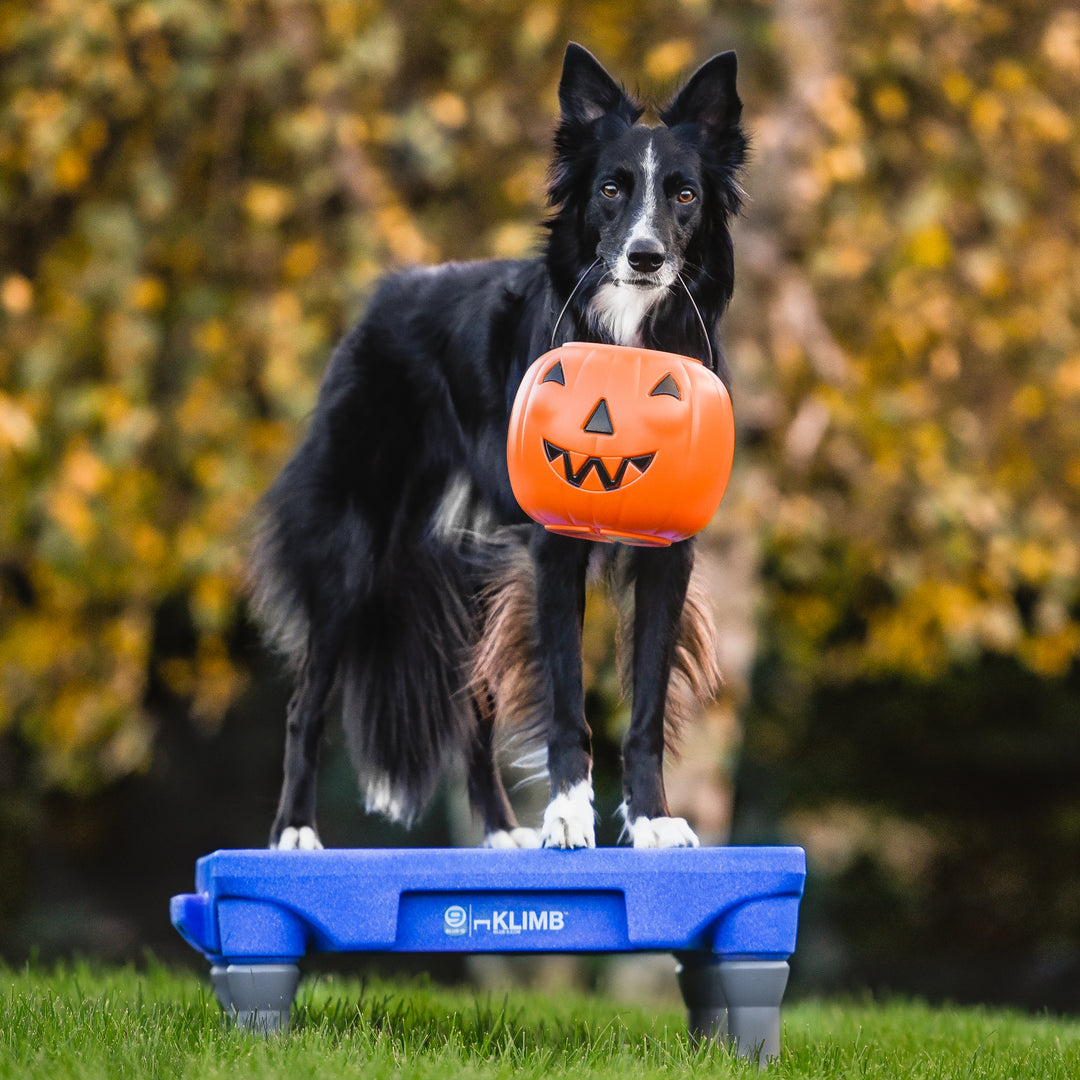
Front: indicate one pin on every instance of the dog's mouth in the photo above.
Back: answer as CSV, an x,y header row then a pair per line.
x,y
660,279
596,473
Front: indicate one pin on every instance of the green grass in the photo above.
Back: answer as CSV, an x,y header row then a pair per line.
x,y
89,1022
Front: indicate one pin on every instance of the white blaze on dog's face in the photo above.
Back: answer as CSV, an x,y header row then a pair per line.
x,y
645,207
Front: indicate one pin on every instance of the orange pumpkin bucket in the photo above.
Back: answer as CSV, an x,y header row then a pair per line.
x,y
614,443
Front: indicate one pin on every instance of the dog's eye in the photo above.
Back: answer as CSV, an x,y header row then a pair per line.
x,y
609,190
686,195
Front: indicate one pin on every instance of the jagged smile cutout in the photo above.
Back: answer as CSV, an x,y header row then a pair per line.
x,y
562,462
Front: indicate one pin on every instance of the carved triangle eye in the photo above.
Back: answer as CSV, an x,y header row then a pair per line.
x,y
666,387
555,374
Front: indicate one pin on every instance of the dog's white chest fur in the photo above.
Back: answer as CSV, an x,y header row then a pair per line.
x,y
621,310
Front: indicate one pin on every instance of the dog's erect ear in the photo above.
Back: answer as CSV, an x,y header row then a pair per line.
x,y
587,91
709,98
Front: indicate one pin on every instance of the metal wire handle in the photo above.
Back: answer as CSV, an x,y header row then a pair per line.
x,y
682,282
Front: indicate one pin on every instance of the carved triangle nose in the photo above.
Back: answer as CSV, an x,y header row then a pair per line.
x,y
599,422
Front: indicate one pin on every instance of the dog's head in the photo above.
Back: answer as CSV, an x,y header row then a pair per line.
x,y
652,204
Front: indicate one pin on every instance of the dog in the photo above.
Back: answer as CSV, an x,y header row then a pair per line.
x,y
391,558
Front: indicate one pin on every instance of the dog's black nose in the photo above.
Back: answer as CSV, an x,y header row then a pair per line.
x,y
645,256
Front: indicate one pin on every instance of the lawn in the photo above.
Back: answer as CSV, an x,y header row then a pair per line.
x,y
91,1022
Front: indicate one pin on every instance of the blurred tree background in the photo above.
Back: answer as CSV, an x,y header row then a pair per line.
x,y
197,195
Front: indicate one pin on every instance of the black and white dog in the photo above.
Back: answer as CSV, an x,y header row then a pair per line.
x,y
392,559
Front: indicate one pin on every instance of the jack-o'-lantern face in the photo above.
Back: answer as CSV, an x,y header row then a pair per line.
x,y
601,472
616,443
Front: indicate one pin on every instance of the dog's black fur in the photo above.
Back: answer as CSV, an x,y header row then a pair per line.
x,y
391,550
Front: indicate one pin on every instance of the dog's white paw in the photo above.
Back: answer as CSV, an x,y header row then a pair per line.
x,y
303,839
512,839
568,819
661,832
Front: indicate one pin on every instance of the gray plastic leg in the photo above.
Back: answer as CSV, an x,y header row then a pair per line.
x,y
754,990
219,978
258,996
706,1006
735,1000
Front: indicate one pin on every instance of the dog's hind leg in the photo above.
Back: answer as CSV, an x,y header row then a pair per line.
x,y
486,791
561,564
661,580
294,823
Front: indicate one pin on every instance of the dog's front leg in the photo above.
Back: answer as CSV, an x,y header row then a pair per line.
x,y
560,586
661,578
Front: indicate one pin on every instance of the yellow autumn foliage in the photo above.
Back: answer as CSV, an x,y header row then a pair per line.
x,y
937,298
196,196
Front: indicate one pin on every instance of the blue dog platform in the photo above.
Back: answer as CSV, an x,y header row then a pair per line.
x,y
729,914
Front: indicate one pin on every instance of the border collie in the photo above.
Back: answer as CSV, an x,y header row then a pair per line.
x,y
391,558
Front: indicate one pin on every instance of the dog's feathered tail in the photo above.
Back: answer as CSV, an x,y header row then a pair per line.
x,y
396,632
406,704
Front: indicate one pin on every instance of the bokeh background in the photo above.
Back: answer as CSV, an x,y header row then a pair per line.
x,y
197,196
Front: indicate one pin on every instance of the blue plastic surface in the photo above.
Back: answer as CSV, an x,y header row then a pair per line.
x,y
263,906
